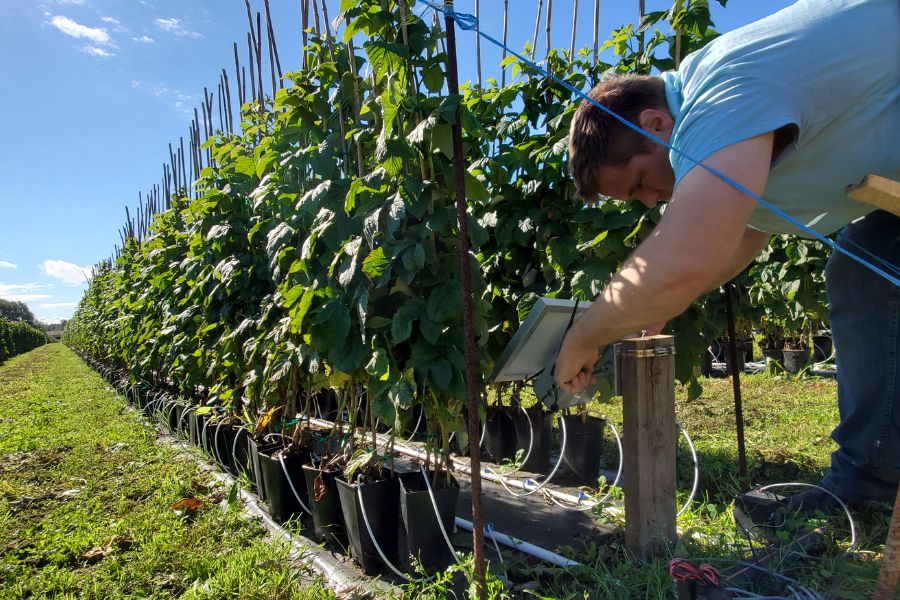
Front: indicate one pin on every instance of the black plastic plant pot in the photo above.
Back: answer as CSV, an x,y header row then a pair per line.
x,y
255,448
173,416
227,434
584,444
280,498
323,445
325,404
424,539
795,360
325,504
822,346
240,454
500,437
381,500
195,426
776,355
541,438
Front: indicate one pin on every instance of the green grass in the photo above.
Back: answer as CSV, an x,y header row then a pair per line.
x,y
81,472
787,422
86,494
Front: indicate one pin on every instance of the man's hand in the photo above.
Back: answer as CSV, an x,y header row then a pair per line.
x,y
575,364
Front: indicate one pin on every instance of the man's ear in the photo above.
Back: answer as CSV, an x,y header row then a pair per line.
x,y
657,122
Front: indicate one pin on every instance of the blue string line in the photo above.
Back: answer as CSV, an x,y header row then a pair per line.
x,y
470,23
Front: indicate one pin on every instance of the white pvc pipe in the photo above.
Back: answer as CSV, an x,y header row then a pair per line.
x,y
520,546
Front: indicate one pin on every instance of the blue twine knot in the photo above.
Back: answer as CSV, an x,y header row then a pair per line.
x,y
464,20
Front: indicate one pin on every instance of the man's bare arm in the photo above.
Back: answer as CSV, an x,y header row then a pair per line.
x,y
692,247
752,243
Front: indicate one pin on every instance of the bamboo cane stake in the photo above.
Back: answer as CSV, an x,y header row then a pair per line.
x,y
736,386
596,31
413,81
574,27
304,25
537,26
315,11
250,46
174,167
272,66
221,95
468,323
356,103
271,30
641,35
226,87
262,98
184,179
503,57
478,40
675,10
549,9
237,74
330,42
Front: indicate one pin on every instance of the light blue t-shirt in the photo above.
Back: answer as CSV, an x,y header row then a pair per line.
x,y
832,68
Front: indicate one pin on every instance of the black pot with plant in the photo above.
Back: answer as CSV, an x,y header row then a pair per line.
x,y
584,445
424,539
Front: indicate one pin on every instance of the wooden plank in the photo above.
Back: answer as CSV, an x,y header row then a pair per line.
x,y
878,191
889,576
649,442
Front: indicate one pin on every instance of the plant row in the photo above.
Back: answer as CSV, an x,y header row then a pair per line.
x,y
320,249
17,337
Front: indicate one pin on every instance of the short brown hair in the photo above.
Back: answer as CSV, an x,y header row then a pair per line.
x,y
596,139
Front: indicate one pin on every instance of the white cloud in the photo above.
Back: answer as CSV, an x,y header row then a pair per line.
x,y
144,39
175,27
75,2
23,292
59,305
66,271
95,51
5,264
69,27
112,20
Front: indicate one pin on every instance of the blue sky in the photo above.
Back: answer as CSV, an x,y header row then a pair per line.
x,y
95,90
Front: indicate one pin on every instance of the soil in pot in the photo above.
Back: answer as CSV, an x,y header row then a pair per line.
x,y
325,504
795,360
500,437
381,501
536,428
281,494
424,539
584,445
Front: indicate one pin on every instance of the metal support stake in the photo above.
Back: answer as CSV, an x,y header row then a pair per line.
x,y
736,386
468,323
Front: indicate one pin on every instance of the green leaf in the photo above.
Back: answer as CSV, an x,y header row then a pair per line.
x,y
433,78
375,263
442,139
299,311
445,302
331,326
401,326
386,58
475,190
291,296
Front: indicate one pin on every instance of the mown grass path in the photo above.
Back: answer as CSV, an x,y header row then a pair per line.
x,y
86,495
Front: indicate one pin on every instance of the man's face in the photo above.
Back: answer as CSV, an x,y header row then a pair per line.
x,y
648,178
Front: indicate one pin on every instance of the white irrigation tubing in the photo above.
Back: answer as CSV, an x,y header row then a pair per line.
x,y
694,487
463,467
291,483
521,546
437,514
215,445
489,529
583,506
853,540
365,516
531,486
234,448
